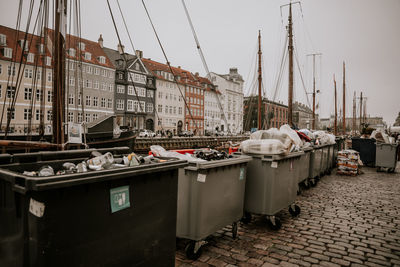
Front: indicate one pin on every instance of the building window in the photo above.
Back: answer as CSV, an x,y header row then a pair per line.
x,y
95,116
120,104
102,60
87,117
80,99
28,94
37,113
71,81
3,39
39,95
110,87
7,52
95,101
81,46
49,76
109,103
88,84
49,115
142,92
96,71
80,117
130,90
87,103
166,110
70,99
71,52
120,89
12,113
89,69
28,73
103,102
27,114
96,85
88,56
159,94
159,108
103,86
48,61
180,110
120,76
9,71
10,91
70,116
129,105
142,106
149,107
30,58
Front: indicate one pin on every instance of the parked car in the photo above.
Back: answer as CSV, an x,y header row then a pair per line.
x,y
186,133
147,133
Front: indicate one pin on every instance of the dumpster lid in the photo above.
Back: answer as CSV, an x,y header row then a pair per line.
x,y
277,157
203,165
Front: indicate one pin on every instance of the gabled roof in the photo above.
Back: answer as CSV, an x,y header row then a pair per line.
x,y
33,42
90,46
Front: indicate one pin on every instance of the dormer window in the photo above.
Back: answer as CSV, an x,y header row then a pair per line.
x,y
88,56
21,43
30,58
3,39
7,52
48,61
102,60
71,52
81,46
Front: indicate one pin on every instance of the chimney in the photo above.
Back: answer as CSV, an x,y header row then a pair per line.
x,y
233,71
100,41
179,67
139,53
196,74
121,49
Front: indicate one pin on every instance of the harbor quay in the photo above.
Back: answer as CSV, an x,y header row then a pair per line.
x,y
344,221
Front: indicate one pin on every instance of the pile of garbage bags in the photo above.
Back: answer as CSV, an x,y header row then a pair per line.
x,y
198,155
96,162
348,162
381,137
284,140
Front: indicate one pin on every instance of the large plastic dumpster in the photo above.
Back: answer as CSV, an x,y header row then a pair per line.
x,y
325,159
316,164
305,164
113,217
331,157
366,148
271,186
386,156
210,197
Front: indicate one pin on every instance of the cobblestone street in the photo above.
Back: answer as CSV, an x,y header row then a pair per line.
x,y
344,221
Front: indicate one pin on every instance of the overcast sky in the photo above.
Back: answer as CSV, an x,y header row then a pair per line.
x,y
363,33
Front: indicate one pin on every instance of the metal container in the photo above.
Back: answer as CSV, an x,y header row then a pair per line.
x,y
271,185
113,217
305,164
386,156
366,148
325,160
210,197
316,164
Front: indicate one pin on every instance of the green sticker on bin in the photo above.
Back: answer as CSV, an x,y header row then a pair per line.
x,y
119,198
241,176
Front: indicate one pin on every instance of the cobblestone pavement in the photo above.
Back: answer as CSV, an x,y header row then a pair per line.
x,y
345,221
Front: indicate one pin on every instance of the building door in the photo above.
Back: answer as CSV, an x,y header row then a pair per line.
x,y
150,124
179,127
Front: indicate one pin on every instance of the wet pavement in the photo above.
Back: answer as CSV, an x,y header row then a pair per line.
x,y
344,221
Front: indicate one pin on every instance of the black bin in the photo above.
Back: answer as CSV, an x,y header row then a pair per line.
x,y
84,219
366,148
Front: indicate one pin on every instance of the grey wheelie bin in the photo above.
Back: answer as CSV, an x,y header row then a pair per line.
x,y
316,164
112,217
210,197
271,186
331,157
305,164
325,160
386,156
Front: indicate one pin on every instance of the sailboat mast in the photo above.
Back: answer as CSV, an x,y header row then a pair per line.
x,y
259,80
335,125
290,50
354,113
59,72
344,98
361,113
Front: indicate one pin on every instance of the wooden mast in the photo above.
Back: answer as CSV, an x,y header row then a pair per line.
x,y
259,80
361,113
344,98
335,125
290,50
59,75
354,113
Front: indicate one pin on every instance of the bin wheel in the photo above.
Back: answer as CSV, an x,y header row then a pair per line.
x,y
246,217
313,182
276,225
193,253
378,169
296,210
306,184
234,230
391,170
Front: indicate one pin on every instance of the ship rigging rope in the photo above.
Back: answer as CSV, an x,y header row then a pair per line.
x,y
130,74
22,65
169,65
204,63
12,67
281,69
301,75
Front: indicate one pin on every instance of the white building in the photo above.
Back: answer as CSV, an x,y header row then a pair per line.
x,y
231,88
212,111
169,102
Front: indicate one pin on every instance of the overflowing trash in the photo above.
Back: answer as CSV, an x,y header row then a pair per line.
x,y
96,162
199,155
348,162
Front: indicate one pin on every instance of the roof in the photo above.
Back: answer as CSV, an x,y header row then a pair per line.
x,y
90,46
33,42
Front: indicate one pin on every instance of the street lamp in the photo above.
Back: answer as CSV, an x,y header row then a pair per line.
x,y
313,113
